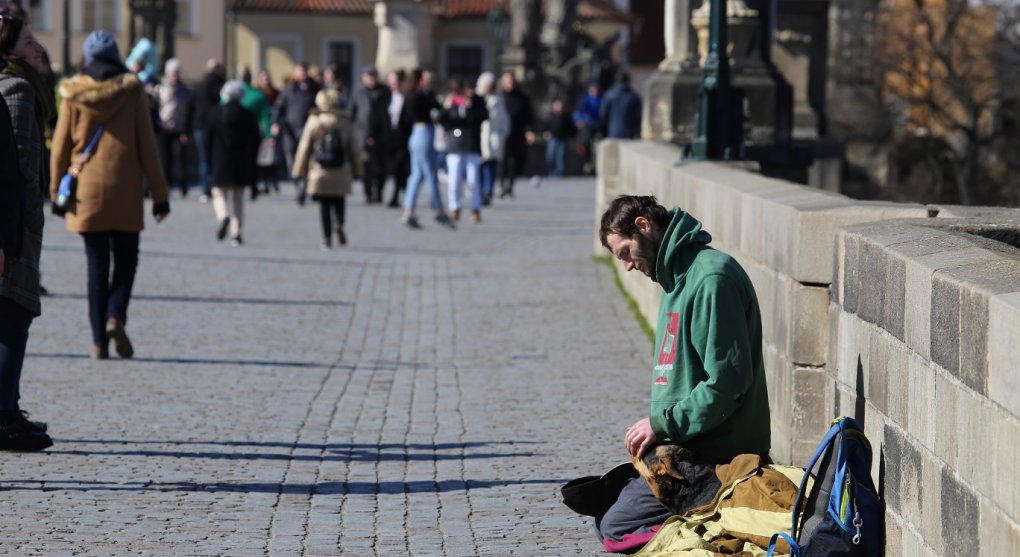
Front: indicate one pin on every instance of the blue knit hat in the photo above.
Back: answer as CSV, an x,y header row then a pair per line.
x,y
100,45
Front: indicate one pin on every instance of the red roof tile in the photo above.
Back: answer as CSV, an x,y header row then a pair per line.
x,y
349,7
602,10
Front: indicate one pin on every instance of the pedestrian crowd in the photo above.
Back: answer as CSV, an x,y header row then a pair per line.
x,y
123,133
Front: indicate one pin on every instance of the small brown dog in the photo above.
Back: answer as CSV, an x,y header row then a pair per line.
x,y
677,477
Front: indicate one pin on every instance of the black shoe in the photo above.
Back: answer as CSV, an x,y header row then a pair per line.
x,y
16,435
393,204
221,232
35,427
236,241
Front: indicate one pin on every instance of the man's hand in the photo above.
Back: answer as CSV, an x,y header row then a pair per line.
x,y
639,437
274,130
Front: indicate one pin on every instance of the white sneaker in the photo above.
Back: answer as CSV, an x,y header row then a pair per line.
x,y
536,182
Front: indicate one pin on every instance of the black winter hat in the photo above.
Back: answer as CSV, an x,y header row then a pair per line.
x,y
593,495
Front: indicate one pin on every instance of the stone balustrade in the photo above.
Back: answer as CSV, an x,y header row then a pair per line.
x,y
904,316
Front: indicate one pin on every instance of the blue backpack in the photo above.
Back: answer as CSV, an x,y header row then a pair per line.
x,y
843,514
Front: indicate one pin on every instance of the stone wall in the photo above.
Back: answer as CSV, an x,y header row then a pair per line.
x,y
878,311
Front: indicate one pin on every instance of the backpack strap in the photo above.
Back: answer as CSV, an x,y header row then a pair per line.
x,y
823,446
794,547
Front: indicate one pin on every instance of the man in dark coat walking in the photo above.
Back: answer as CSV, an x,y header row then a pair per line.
x,y
621,110
370,114
290,114
204,96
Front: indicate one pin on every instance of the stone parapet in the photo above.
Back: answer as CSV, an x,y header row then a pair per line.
x,y
879,311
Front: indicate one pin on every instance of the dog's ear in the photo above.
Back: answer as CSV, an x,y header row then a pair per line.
x,y
664,466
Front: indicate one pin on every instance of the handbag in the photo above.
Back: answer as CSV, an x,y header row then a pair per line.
x,y
267,152
69,182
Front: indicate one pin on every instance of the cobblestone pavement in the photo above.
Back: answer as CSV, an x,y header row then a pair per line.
x,y
415,393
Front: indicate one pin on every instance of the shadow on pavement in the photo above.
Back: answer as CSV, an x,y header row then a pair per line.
x,y
324,488
208,361
212,300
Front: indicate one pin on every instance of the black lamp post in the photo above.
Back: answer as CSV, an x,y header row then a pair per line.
x,y
719,121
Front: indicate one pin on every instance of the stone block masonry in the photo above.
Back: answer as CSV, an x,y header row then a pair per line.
x,y
903,316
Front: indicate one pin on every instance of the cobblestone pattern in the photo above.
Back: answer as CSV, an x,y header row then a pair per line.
x,y
415,393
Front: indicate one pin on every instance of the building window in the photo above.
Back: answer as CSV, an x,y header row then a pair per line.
x,y
186,23
101,14
464,61
39,15
341,55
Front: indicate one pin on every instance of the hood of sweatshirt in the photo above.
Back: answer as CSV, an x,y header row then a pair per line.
x,y
101,98
681,241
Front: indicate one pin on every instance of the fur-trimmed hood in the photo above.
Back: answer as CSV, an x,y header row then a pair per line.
x,y
100,97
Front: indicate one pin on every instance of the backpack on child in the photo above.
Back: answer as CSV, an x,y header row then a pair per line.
x,y
842,515
329,148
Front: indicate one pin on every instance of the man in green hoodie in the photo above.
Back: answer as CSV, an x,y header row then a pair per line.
x,y
708,380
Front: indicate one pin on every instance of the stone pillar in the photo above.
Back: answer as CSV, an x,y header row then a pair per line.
x,y
671,92
405,35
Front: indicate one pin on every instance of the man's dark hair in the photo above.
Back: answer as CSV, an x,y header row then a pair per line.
x,y
619,217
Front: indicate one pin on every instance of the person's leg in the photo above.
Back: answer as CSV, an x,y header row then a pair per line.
x,y
418,151
402,169
326,222
550,157
560,157
454,171
16,431
340,206
472,171
14,323
632,520
198,136
125,264
237,218
432,180
219,204
290,144
167,156
97,255
180,159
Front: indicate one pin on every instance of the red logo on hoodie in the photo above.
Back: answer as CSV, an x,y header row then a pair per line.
x,y
667,351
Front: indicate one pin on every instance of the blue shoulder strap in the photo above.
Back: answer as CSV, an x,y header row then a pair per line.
x,y
95,139
794,547
836,428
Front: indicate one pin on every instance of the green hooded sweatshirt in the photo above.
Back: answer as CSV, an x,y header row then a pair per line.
x,y
708,385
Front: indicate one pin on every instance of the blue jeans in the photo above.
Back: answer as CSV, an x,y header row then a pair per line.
x,y
423,168
203,164
555,156
488,177
109,298
14,323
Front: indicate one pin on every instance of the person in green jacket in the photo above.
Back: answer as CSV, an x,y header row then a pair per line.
x,y
708,380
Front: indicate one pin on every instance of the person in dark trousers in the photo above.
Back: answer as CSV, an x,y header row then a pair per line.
x,y
26,104
518,107
172,98
621,110
107,209
232,147
369,113
587,118
561,130
205,95
290,112
708,381
398,163
329,178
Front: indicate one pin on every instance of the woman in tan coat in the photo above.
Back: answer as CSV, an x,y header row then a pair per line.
x,y
107,207
328,157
